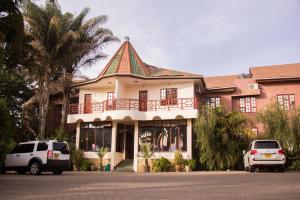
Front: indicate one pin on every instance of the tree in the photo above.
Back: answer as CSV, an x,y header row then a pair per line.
x,y
221,137
278,124
61,44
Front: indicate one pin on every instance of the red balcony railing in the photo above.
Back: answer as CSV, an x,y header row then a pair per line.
x,y
134,104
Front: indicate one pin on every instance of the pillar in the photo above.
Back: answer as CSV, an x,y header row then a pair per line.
x,y
136,146
189,138
113,145
77,135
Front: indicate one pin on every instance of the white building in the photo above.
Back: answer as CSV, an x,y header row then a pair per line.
x,y
132,102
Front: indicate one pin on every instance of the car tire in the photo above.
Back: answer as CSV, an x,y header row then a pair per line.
x,y
252,168
57,172
35,168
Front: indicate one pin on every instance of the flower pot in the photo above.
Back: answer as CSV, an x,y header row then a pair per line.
x,y
187,168
146,168
178,168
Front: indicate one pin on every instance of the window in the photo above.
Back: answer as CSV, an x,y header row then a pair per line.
x,y
26,148
255,130
164,136
17,149
248,104
95,135
42,146
61,146
168,96
213,102
266,145
286,101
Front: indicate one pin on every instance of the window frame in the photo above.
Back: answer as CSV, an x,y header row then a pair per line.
x,y
252,105
168,99
291,106
211,104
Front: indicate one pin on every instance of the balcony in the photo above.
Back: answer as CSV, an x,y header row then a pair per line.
x,y
134,105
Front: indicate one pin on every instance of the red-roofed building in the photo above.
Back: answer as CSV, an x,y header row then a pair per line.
x,y
131,102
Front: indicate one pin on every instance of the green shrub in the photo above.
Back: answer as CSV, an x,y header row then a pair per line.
x,y
191,163
77,158
85,165
161,165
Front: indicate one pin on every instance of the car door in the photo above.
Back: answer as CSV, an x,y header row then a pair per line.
x,y
26,154
12,159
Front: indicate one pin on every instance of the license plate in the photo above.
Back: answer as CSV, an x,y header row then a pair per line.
x,y
56,156
268,155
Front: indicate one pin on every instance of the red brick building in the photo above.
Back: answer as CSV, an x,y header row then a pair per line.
x,y
250,93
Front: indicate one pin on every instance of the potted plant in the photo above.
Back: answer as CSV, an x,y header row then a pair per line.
x,y
178,160
190,164
101,153
146,153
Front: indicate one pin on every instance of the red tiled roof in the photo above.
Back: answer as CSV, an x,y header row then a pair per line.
x,y
276,71
216,82
127,62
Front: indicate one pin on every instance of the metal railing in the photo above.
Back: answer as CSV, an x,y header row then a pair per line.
x,y
134,104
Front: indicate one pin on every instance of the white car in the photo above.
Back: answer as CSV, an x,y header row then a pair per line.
x,y
38,156
264,154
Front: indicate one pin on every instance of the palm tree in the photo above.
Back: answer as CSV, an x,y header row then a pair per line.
x,y
101,153
220,137
61,44
91,39
146,153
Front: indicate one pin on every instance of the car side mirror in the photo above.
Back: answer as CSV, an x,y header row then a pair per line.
x,y
244,152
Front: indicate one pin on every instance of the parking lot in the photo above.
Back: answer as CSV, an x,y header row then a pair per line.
x,y
196,185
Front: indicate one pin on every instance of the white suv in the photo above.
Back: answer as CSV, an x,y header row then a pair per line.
x,y
264,154
38,156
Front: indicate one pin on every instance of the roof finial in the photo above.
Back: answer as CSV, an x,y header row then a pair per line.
x,y
126,38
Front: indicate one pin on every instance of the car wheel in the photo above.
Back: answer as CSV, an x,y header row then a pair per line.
x,y
252,168
57,172
35,168
21,171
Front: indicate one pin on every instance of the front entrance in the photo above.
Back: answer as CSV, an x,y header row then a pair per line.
x,y
125,140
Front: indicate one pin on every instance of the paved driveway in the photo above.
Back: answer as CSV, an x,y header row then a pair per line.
x,y
118,186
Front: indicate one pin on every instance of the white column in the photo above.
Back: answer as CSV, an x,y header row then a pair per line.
x,y
136,146
189,138
77,135
117,89
113,145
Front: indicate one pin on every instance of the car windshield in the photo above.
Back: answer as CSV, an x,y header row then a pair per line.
x,y
61,146
266,145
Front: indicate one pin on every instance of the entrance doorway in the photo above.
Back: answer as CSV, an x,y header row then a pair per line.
x,y
125,140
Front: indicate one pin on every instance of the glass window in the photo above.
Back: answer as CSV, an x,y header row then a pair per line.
x,y
93,136
248,104
42,146
286,101
27,148
164,136
61,146
266,145
168,96
213,102
17,149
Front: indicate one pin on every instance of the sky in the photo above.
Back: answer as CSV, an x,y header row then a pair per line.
x,y
207,37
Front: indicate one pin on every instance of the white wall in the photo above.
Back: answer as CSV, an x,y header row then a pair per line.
x,y
98,95
184,90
